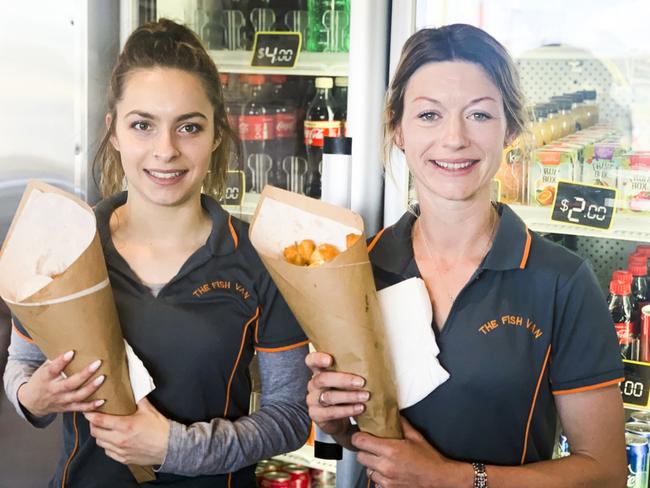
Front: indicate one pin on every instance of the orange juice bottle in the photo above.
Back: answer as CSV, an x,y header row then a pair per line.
x,y
579,110
591,106
565,119
553,121
539,126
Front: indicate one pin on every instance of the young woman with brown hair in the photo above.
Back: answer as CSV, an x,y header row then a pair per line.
x,y
194,299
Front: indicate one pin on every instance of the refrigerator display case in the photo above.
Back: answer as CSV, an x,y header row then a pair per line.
x,y
581,175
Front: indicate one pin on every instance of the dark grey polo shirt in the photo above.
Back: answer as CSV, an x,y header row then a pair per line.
x,y
530,324
196,338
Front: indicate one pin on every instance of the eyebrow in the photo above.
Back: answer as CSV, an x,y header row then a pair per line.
x,y
147,115
472,102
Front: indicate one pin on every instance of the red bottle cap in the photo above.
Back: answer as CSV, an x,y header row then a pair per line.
x,y
256,79
638,269
620,288
622,275
643,249
277,79
637,259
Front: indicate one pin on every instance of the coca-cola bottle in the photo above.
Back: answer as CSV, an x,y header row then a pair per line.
x,y
257,133
341,101
640,293
284,110
620,307
319,122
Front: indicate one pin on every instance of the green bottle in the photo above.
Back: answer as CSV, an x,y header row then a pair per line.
x,y
329,25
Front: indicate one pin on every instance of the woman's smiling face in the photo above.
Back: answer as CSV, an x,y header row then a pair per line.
x,y
453,130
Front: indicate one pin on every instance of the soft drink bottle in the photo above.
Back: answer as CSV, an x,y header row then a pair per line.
x,y
340,102
328,29
257,132
620,307
319,122
640,292
284,111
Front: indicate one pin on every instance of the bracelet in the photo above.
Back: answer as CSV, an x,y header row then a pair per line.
x,y
480,476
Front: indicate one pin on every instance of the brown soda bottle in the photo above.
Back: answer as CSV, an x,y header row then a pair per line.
x,y
621,310
319,123
257,134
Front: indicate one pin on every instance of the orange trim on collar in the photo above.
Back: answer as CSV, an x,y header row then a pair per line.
x,y
590,387
524,258
374,241
20,334
232,231
532,405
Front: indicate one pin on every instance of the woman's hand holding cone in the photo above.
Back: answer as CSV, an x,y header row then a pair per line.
x,y
48,391
139,439
334,397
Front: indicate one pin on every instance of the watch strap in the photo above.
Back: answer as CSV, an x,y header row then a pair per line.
x,y
480,475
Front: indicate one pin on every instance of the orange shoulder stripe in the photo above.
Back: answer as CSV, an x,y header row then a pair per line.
x,y
232,231
74,449
374,241
283,348
524,258
532,405
20,334
590,387
241,348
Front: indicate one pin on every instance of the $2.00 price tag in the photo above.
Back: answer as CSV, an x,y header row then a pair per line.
x,y
586,205
634,387
235,188
276,49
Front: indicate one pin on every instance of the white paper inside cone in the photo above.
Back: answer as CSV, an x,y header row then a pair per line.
x,y
279,225
141,381
51,233
407,313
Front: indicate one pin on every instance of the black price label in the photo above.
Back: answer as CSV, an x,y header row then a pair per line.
x,y
634,387
276,49
586,205
235,188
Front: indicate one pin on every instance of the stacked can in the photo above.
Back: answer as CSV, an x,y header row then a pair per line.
x,y
636,447
300,477
276,479
322,479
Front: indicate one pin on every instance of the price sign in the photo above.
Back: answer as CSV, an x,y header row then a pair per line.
x,y
276,49
587,205
235,188
635,386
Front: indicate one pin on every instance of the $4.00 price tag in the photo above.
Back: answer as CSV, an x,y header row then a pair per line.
x,y
276,49
635,386
235,188
586,205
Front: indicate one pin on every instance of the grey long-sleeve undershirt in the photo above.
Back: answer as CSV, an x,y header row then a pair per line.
x,y
218,446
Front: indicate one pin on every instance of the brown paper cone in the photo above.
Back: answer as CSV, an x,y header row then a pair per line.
x,y
89,324
336,305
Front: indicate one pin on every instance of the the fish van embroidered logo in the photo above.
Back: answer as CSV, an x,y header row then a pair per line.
x,y
511,321
222,285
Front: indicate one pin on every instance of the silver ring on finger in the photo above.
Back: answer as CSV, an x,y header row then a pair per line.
x,y
321,401
370,473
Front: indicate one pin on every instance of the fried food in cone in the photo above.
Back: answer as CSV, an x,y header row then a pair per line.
x,y
336,303
53,277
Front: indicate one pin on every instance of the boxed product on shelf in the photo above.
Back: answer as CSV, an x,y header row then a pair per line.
x,y
603,168
549,165
634,181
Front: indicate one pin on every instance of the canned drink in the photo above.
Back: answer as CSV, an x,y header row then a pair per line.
x,y
637,461
276,479
300,477
274,464
321,478
642,416
260,471
563,447
638,428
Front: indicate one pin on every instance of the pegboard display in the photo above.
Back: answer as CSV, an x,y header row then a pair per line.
x,y
544,78
605,256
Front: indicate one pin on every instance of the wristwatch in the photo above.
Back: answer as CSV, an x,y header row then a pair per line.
x,y
480,476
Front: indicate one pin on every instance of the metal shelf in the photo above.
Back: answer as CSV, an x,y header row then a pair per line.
x,y
626,226
309,64
305,456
